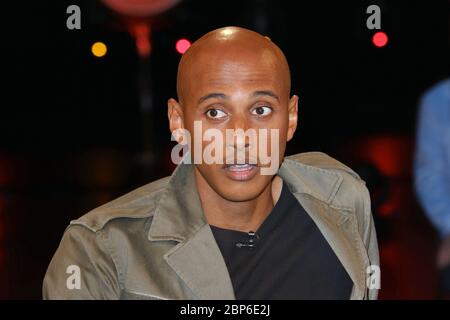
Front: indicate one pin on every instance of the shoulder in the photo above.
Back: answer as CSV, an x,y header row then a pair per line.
x,y
323,161
137,204
330,180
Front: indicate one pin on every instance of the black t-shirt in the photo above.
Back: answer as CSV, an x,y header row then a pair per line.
x,y
287,257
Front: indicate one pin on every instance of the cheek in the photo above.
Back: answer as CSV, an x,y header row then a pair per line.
x,y
195,127
277,134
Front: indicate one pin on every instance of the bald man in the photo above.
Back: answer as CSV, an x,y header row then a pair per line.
x,y
236,219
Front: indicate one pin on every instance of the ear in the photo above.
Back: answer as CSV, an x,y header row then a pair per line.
x,y
176,120
292,114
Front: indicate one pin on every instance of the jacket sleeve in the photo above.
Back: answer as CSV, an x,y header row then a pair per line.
x,y
432,178
370,242
82,267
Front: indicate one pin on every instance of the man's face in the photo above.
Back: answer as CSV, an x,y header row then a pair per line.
x,y
245,92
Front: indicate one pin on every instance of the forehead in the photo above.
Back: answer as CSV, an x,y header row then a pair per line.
x,y
213,70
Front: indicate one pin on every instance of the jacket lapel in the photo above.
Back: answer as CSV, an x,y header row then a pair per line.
x,y
339,229
337,223
196,258
200,264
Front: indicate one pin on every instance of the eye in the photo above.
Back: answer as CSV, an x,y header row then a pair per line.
x,y
262,111
215,114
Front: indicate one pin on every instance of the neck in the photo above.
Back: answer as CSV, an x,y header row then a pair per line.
x,y
241,216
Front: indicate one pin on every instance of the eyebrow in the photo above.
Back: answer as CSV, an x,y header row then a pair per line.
x,y
255,94
212,95
265,93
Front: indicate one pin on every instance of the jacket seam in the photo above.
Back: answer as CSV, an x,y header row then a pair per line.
x,y
99,226
145,294
307,166
114,258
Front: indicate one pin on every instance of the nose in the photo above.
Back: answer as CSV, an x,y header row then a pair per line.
x,y
237,137
238,121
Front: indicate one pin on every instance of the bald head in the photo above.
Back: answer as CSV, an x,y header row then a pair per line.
x,y
231,52
233,79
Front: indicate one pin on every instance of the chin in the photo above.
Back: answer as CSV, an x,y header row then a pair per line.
x,y
236,188
240,191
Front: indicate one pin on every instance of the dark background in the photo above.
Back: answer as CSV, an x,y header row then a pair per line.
x,y
72,135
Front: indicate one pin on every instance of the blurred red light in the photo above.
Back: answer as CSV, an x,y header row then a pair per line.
x,y
380,39
182,45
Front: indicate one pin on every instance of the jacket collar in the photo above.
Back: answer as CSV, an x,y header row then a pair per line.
x,y
179,213
318,183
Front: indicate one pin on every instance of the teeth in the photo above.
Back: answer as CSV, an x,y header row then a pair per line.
x,y
240,167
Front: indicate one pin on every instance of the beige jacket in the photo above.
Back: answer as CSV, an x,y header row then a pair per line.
x,y
155,243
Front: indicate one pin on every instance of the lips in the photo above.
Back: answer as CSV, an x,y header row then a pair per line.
x,y
239,167
240,172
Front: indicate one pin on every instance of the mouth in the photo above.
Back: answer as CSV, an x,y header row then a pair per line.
x,y
241,172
